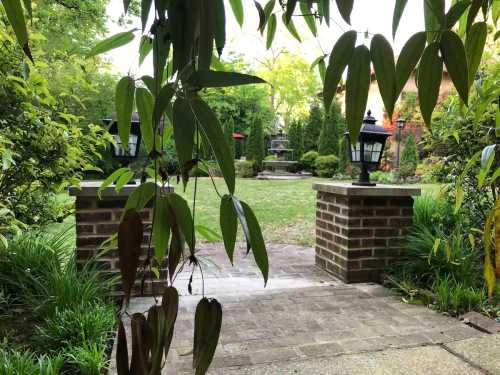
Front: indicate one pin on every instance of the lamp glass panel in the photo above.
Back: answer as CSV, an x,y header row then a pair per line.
x,y
132,145
356,152
372,152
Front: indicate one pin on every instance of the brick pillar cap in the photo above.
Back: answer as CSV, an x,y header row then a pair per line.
x,y
90,188
380,190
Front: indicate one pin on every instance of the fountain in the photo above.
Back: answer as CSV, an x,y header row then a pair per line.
x,y
278,169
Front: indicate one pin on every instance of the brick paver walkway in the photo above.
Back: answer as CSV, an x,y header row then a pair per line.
x,y
304,314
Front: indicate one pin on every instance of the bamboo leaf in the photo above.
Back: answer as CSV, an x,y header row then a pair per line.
x,y
345,9
357,85
183,218
308,17
290,7
170,304
399,8
262,16
206,38
271,30
161,228
145,9
474,47
292,29
237,8
208,321
434,18
162,101
228,225
184,128
121,351
213,78
124,102
257,243
15,15
220,25
111,43
110,179
145,103
161,49
385,70
238,208
208,234
176,246
126,4
141,196
453,53
456,11
495,12
489,270
459,198
149,82
123,180
473,11
145,47
429,80
339,58
213,131
408,59
129,249
324,6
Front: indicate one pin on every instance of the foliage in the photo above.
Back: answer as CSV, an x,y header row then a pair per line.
x,y
255,145
296,139
332,131
383,177
308,161
326,165
343,155
312,128
20,362
245,168
409,158
228,133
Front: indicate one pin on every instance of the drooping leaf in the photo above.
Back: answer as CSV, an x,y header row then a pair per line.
x,y
144,101
495,12
429,81
408,59
453,53
162,101
456,11
207,325
487,159
213,78
206,38
324,6
176,250
145,47
290,7
262,16
292,29
257,243
156,322
357,85
488,269
111,43
385,70
434,18
149,82
184,128
220,25
237,8
145,8
308,17
110,179
238,208
123,180
141,196
183,218
473,11
322,70
170,304
271,30
29,7
126,4
161,228
130,234
15,15
399,8
228,225
339,58
161,49
124,102
141,344
208,234
345,9
474,47
213,131
121,351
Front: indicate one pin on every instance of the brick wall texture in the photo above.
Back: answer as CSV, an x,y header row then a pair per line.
x,y
357,237
96,221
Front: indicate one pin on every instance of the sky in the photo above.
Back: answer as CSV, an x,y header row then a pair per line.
x,y
374,16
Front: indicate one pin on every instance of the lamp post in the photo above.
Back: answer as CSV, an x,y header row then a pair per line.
x,y
134,141
400,123
367,152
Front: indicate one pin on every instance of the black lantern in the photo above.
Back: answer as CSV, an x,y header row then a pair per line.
x,y
134,139
368,149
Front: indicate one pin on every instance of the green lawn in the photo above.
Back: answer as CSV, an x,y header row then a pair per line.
x,y
285,209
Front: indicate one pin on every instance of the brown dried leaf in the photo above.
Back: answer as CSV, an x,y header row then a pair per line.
x,y
141,345
121,351
170,304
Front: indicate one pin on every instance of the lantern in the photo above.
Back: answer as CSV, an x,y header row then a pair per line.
x,y
134,139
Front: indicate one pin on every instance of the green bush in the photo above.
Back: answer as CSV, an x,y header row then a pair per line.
x,y
255,144
326,165
245,168
456,297
22,362
409,158
307,161
89,359
271,157
383,177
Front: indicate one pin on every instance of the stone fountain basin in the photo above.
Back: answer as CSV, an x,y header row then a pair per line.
x,y
279,163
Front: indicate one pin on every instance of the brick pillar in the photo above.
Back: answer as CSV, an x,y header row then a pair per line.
x,y
359,229
98,219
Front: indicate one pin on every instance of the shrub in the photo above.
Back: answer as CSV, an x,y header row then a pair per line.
x,y
383,177
89,359
296,138
331,131
409,158
271,157
307,161
255,145
326,165
21,362
456,297
312,128
245,168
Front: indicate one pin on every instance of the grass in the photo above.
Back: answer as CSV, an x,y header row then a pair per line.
x,y
285,209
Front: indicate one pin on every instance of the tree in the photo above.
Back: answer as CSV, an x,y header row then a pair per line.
x,y
296,139
331,131
313,128
409,158
343,155
255,146
228,134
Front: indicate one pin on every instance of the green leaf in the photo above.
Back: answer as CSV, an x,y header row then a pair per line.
x,y
145,101
385,70
126,4
220,25
324,7
124,103
357,85
123,180
456,11
15,15
408,59
474,47
183,217
213,78
29,7
141,196
430,73
208,234
271,30
145,47
495,11
269,7
238,208
473,11
113,42
434,18
453,53
145,8
228,225
162,101
291,28
213,131
237,8
257,243
262,16
459,199
184,124
290,7
110,179
308,17
206,38
161,228
207,325
161,49
399,8
322,70
149,82
339,58
345,9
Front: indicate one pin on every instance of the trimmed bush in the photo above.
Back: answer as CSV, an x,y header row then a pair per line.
x,y
307,161
245,168
326,165
383,177
409,158
255,146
